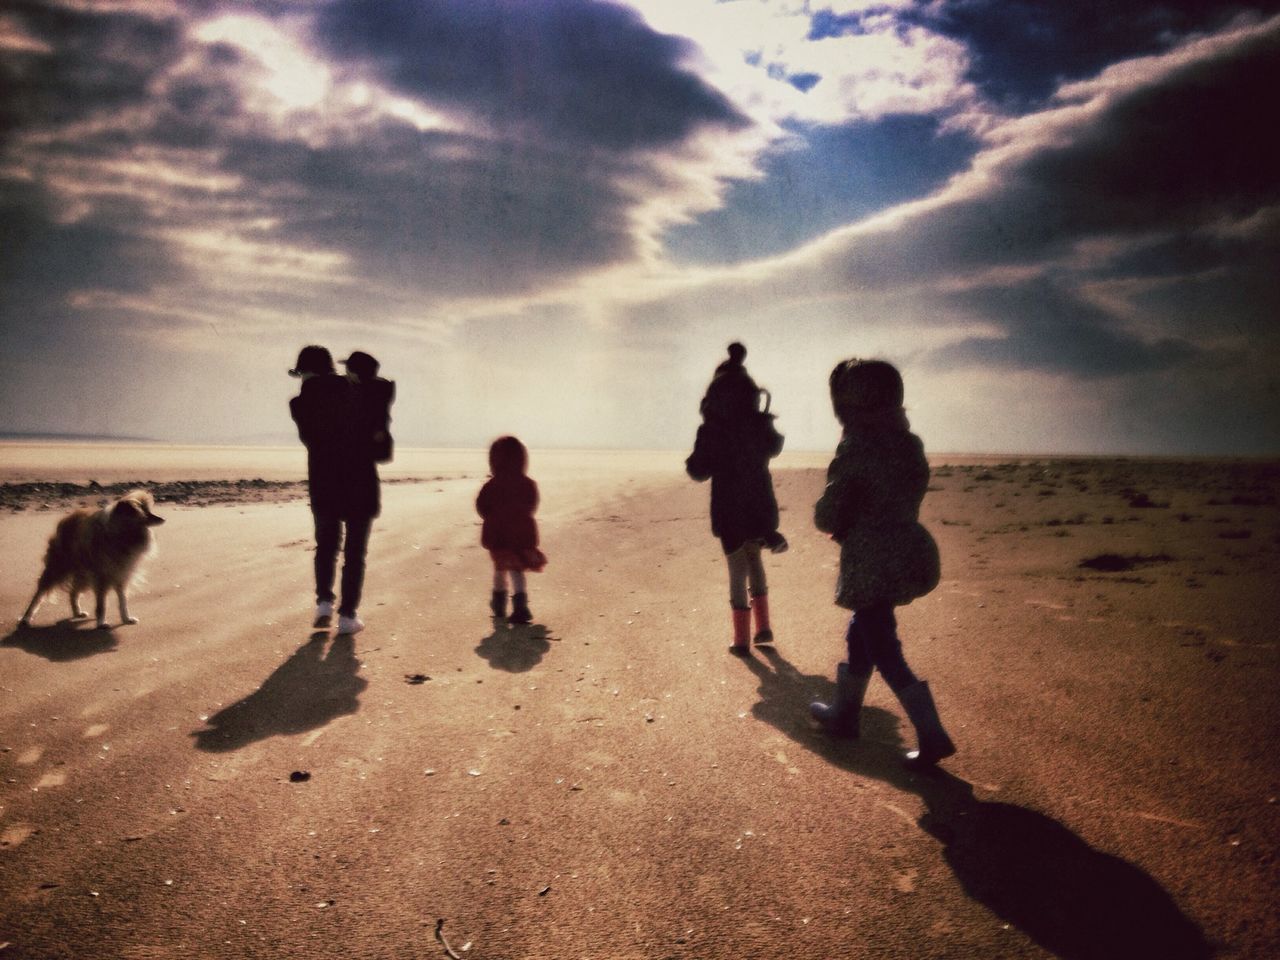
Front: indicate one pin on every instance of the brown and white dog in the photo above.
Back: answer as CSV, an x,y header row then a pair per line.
x,y
98,549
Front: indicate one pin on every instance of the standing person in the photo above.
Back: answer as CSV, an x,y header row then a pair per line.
x,y
507,502
733,447
342,481
871,507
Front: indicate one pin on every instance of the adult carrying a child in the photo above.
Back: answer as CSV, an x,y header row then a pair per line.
x,y
338,419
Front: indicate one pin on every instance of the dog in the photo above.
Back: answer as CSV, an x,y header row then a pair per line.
x,y
99,549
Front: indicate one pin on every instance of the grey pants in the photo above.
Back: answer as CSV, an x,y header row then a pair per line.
x,y
745,567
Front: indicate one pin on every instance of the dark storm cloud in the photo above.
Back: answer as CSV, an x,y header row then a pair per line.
x,y
570,91
582,71
1021,50
441,212
1049,327
93,62
45,261
1173,157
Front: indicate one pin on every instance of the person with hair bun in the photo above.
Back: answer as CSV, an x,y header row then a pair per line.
x,y
871,507
733,448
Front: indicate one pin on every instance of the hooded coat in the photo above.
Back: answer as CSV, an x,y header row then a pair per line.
x,y
871,506
342,478
507,502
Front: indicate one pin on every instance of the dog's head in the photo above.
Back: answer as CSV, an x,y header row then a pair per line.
x,y
134,509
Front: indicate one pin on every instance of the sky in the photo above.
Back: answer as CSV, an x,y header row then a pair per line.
x,y
1061,220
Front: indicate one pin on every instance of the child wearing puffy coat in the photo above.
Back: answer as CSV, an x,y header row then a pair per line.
x,y
506,503
733,448
871,507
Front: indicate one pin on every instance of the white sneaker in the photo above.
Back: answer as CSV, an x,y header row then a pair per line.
x,y
324,614
349,625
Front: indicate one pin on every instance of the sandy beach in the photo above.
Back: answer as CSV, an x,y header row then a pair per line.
x,y
218,781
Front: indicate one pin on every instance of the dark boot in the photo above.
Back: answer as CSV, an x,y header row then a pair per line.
x,y
520,609
498,603
840,718
935,745
741,632
760,608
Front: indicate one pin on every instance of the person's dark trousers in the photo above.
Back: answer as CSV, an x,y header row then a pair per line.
x,y
873,642
328,536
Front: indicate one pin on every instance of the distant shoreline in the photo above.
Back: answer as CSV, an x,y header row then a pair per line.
x,y
8,436
938,458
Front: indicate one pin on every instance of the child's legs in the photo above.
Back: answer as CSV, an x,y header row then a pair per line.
x,y
500,580
738,573
755,570
873,641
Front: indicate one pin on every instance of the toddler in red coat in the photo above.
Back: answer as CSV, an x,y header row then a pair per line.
x,y
507,502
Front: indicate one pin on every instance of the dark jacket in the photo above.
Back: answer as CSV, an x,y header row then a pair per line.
x,y
507,502
871,506
342,478
735,454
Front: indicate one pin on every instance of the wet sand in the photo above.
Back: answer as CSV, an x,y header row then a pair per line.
x,y
609,782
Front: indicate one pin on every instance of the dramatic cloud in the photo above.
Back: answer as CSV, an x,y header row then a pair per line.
x,y
578,71
1031,206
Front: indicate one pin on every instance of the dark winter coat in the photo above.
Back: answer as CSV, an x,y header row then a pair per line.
x,y
872,506
342,478
735,455
507,502
374,397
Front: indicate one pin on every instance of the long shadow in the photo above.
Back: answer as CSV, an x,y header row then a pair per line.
x,y
307,691
514,647
66,640
1026,868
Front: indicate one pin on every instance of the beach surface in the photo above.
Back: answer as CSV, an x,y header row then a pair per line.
x,y
219,781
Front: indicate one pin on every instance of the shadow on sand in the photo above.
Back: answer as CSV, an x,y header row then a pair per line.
x,y
1025,867
514,647
68,639
307,691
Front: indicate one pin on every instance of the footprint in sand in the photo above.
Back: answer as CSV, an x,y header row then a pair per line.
x,y
55,779
29,756
97,730
15,834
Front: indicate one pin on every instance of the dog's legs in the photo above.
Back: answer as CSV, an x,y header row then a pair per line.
x,y
124,607
100,604
33,606
76,612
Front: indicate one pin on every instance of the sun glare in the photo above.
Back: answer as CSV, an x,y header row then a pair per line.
x,y
292,76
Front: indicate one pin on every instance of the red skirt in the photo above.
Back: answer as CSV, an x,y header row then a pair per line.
x,y
529,559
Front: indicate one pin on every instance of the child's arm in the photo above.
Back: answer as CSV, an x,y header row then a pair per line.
x,y
831,512
483,500
701,463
